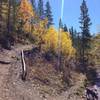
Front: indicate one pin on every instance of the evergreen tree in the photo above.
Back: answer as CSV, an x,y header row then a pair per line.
x,y
14,5
0,8
7,44
40,8
85,30
75,39
34,5
48,14
8,19
60,24
11,15
71,31
65,28
0,15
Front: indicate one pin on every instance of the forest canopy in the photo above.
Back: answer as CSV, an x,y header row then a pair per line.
x,y
38,27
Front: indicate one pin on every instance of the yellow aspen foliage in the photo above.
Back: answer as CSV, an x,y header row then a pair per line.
x,y
66,44
25,14
51,39
51,42
25,10
39,29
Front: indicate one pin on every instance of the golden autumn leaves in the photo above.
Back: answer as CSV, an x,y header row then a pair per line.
x,y
26,10
49,37
51,40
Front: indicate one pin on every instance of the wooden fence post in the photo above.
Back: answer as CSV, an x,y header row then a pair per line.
x,y
24,71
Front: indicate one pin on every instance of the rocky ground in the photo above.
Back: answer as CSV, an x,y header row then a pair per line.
x,y
13,88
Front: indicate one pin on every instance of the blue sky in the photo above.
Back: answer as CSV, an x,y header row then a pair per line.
x,y
72,13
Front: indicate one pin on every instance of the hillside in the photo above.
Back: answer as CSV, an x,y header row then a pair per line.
x,y
42,79
42,57
96,50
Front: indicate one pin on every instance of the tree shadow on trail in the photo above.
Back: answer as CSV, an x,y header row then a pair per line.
x,y
89,71
91,75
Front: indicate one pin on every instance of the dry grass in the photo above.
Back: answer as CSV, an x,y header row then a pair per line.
x,y
44,76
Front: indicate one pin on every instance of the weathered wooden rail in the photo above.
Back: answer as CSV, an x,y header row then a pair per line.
x,y
24,70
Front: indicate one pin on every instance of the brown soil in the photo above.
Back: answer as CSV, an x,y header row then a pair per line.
x,y
13,88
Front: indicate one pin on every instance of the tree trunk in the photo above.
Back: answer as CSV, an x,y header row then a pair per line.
x,y
0,15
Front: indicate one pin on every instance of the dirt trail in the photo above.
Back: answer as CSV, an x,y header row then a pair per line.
x,y
11,85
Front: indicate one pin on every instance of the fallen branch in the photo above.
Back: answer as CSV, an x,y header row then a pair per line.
x,y
5,62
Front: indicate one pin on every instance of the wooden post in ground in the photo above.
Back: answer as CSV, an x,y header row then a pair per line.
x,y
24,71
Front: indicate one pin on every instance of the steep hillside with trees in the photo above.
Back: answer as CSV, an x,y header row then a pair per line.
x,y
59,63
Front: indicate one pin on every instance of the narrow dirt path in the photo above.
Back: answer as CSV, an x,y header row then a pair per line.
x,y
4,73
11,85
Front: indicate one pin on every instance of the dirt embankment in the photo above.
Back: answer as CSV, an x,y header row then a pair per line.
x,y
11,85
13,88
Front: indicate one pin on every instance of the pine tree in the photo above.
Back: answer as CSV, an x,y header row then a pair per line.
x,y
34,5
72,34
14,5
40,8
65,28
11,15
85,30
3,20
0,15
48,14
60,24
71,31
8,33
0,8
8,19
75,39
